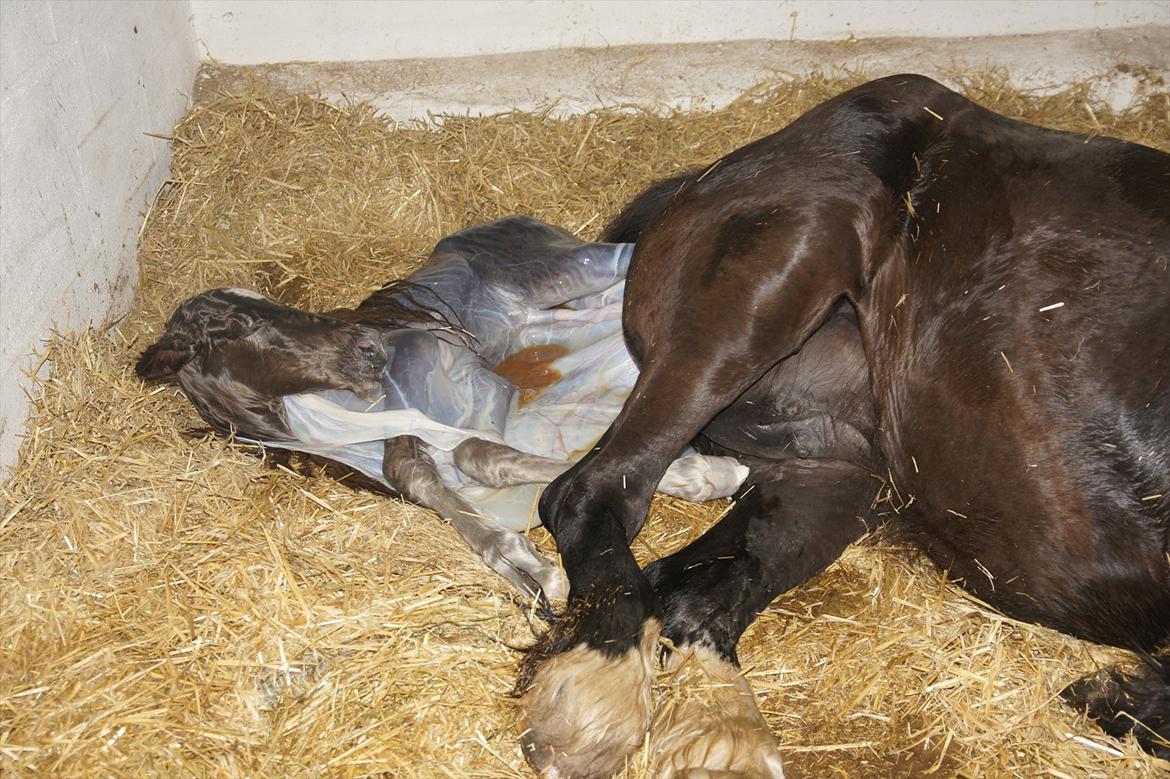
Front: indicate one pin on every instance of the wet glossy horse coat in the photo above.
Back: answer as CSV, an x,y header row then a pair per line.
x,y
898,280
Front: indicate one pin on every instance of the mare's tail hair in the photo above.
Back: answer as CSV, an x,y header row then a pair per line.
x,y
1137,703
643,209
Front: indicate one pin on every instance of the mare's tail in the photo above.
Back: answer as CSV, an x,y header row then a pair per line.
x,y
643,209
1137,703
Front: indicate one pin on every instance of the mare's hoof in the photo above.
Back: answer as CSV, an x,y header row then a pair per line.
x,y
695,744
583,712
717,730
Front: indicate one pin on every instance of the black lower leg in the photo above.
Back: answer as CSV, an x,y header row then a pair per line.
x,y
778,535
1135,703
606,582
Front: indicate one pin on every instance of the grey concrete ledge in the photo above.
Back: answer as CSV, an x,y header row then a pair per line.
x,y
708,75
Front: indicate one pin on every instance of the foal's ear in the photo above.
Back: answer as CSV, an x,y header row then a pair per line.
x,y
164,359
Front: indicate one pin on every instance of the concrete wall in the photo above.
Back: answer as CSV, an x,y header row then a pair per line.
x,y
80,82
256,31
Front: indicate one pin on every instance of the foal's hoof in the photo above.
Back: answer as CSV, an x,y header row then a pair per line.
x,y
716,731
584,712
552,582
514,556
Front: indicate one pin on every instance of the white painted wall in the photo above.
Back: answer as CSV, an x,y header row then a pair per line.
x,y
255,31
80,82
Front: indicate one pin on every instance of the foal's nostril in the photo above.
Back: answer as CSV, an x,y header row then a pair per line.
x,y
367,347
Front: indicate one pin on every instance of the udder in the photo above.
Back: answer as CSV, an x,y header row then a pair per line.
x,y
815,404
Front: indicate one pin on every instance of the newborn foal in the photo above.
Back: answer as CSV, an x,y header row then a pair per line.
x,y
402,387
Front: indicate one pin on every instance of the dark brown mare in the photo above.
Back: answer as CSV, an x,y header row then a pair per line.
x,y
899,280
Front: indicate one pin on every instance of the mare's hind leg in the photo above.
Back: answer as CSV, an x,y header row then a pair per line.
x,y
407,465
709,310
780,533
586,685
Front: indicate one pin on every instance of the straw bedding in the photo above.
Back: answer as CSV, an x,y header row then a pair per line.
x,y
174,604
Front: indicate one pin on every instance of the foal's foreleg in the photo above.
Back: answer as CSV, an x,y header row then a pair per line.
x,y
779,534
499,465
694,477
407,465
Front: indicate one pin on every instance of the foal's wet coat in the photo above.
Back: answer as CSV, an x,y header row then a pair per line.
x,y
402,388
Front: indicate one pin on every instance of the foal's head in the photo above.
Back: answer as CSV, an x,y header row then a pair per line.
x,y
236,353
